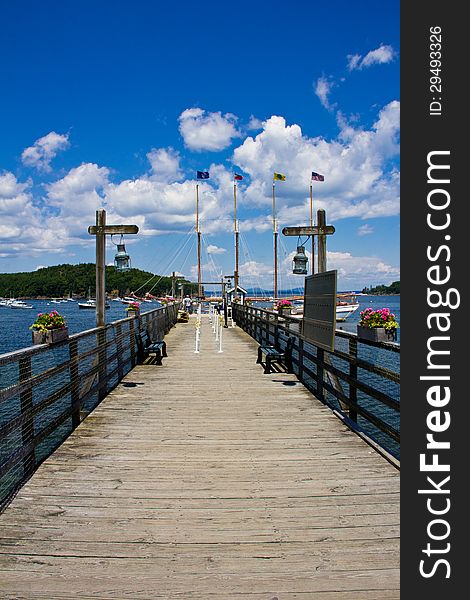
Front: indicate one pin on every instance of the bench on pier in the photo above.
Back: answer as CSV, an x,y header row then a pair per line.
x,y
146,347
275,354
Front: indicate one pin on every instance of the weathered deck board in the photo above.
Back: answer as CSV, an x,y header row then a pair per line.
x,y
204,478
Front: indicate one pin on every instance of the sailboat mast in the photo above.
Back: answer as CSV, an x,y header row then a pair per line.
x,y
198,233
275,234
311,225
235,229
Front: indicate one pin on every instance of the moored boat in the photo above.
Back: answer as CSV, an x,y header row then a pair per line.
x,y
19,304
91,304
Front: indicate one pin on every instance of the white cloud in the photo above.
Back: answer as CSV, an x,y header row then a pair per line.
x,y
212,249
353,61
252,268
77,193
41,153
359,179
165,164
365,230
361,269
24,228
203,130
254,123
381,55
323,89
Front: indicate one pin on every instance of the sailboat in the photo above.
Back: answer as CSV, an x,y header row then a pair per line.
x,y
90,303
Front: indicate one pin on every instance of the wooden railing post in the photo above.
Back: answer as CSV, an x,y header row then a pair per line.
x,y
300,374
26,404
102,366
132,342
353,375
320,374
119,350
74,382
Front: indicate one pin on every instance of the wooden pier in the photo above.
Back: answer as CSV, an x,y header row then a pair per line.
x,y
204,478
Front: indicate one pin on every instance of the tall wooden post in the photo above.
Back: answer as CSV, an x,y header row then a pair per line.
x,y
311,225
321,222
275,234
199,287
235,228
173,285
100,267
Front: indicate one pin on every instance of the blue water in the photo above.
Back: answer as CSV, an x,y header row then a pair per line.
x,y
374,302
14,323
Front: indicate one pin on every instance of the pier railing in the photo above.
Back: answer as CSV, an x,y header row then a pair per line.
x,y
360,379
46,390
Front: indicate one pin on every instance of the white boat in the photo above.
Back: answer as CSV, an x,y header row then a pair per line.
x,y
346,305
19,304
91,303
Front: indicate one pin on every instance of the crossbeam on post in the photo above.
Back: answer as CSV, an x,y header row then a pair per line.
x,y
100,230
315,230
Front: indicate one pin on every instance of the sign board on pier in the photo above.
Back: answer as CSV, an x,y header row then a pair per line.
x,y
319,322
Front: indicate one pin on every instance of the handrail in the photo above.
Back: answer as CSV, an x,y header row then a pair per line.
x,y
48,389
360,379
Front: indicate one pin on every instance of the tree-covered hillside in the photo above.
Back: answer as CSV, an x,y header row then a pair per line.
x,y
62,280
383,290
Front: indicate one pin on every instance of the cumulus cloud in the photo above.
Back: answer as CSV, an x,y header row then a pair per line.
x,y
361,269
203,130
212,249
359,181
165,164
365,230
24,227
41,153
78,192
381,55
323,89
254,123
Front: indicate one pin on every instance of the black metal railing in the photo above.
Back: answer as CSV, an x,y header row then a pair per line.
x,y
46,390
360,378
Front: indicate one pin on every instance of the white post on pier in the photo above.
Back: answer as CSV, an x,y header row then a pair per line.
x,y
220,336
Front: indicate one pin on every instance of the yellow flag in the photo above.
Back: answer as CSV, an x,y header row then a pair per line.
x,y
279,177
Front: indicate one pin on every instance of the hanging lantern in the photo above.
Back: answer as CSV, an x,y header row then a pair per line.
x,y
300,262
122,260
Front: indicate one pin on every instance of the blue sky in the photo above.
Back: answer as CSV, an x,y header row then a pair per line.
x,y
117,104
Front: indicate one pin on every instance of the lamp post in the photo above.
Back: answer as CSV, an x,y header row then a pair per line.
x,y
100,230
321,230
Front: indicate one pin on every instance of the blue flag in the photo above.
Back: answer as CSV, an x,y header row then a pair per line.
x,y
202,174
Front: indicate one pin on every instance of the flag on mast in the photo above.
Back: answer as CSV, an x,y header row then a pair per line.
x,y
279,177
202,175
317,177
237,177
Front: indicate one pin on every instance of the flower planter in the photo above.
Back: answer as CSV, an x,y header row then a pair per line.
x,y
52,336
376,334
285,312
39,337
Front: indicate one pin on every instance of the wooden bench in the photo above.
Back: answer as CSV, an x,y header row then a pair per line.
x,y
275,354
146,347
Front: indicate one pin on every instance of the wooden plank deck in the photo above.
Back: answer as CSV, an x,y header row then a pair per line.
x,y
206,479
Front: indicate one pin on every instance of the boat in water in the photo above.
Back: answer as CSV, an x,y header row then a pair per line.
x,y
91,304
346,305
19,304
